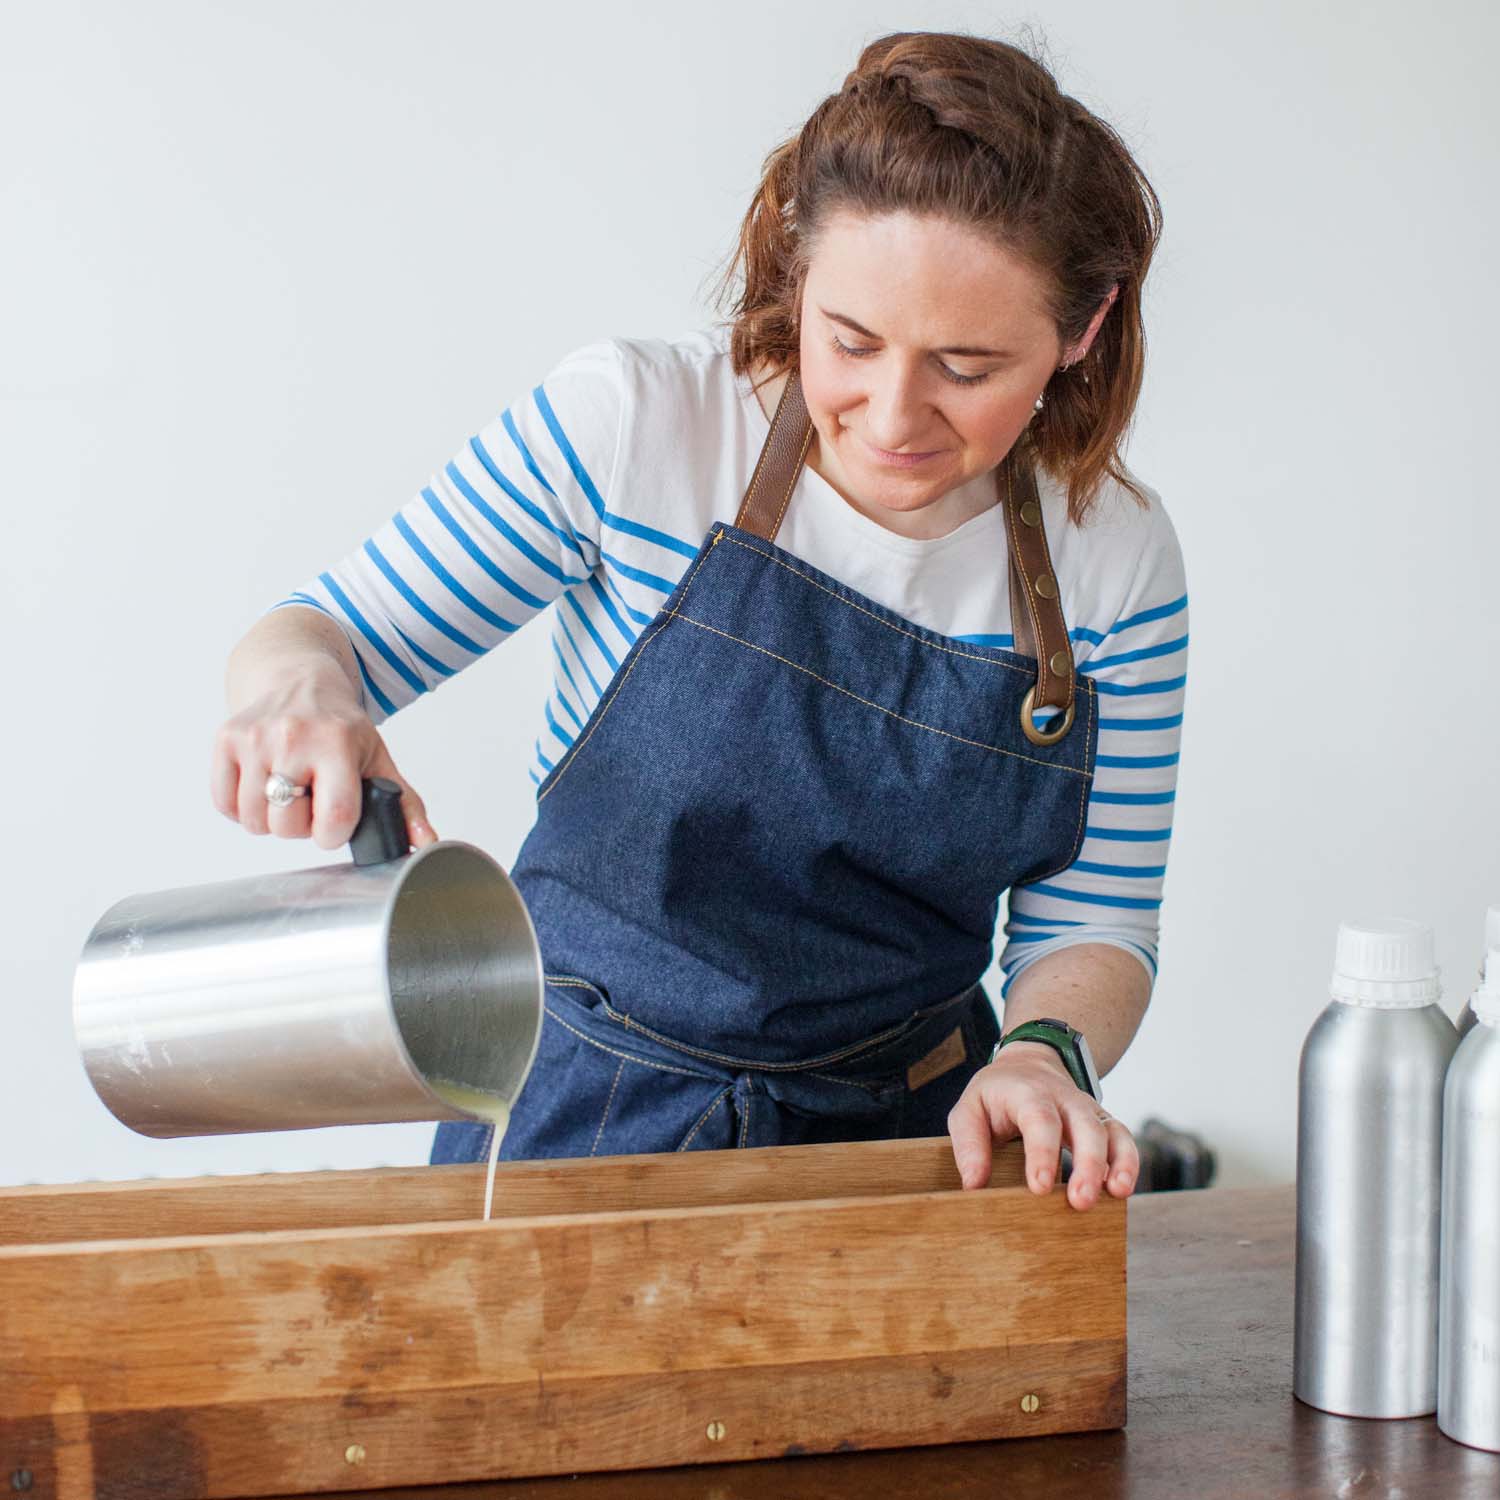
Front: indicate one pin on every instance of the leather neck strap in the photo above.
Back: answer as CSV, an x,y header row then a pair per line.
x,y
1036,611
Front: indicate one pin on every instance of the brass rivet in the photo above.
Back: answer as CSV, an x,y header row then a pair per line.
x,y
1031,513
1030,1402
354,1453
1061,663
1046,586
716,1432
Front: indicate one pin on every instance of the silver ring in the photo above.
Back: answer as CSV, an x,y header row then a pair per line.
x,y
282,791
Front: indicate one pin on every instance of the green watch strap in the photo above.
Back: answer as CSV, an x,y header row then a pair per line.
x,y
1061,1041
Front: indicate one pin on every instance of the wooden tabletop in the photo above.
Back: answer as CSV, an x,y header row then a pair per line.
x,y
1211,1409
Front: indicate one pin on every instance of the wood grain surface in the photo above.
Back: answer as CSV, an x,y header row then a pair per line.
x,y
1212,1416
770,1319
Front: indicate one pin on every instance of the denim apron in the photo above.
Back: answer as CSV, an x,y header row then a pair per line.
x,y
766,876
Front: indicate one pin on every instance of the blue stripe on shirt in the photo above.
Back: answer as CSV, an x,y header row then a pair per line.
x,y
1123,872
588,625
1134,799
1129,903
582,660
562,698
509,423
1136,762
511,535
557,728
608,606
590,489
472,547
346,604
441,668
544,406
537,514
418,603
638,575
562,661
1146,653
370,687
1172,721
1126,836
1136,689
1023,920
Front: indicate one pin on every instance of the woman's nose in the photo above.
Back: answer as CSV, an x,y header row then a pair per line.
x,y
896,413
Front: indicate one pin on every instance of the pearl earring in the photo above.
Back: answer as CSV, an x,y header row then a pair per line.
x,y
1039,403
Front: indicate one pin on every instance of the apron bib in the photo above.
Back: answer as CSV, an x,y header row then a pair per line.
x,y
766,876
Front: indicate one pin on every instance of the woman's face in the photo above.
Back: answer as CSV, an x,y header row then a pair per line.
x,y
924,347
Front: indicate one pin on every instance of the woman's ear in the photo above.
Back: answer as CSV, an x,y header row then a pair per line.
x,y
1082,346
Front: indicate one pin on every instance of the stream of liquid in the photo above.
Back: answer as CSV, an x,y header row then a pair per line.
x,y
488,1107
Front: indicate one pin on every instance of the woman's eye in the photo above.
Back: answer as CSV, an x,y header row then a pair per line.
x,y
958,379
849,351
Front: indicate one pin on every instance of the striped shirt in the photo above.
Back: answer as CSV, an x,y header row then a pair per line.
x,y
592,493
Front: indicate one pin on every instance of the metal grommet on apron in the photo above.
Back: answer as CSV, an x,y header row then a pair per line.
x,y
766,875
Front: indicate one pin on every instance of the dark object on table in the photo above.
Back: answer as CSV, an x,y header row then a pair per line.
x,y
1172,1159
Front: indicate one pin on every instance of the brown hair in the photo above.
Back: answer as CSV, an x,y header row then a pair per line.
x,y
974,131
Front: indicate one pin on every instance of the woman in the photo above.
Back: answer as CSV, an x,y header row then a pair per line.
x,y
817,704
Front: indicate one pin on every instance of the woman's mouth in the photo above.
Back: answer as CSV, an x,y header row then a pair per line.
x,y
898,460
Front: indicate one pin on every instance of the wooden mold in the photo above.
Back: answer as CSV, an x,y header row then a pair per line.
x,y
301,1333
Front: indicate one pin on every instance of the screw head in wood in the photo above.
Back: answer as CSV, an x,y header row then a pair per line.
x,y
716,1432
354,1453
1030,1402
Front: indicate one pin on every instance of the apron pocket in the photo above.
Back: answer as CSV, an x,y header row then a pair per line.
x,y
594,1091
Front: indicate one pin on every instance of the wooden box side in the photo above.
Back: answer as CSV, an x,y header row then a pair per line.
x,y
46,1214
257,1362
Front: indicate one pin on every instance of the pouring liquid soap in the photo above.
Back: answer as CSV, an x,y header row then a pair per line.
x,y
489,1107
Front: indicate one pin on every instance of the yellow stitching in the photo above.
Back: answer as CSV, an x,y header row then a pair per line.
x,y
915,723
615,1052
796,474
932,645
744,1124
594,1149
703,1119
607,703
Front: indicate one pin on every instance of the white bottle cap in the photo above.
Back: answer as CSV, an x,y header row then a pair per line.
x,y
1485,1001
1388,965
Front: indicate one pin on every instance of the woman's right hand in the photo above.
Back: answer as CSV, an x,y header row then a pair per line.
x,y
310,728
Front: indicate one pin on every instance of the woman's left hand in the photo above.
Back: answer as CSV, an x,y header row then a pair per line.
x,y
1027,1091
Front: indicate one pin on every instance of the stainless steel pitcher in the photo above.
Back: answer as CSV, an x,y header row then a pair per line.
x,y
396,987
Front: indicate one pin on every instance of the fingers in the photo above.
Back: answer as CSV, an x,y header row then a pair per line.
x,y
1124,1161
973,1139
1046,1113
224,778
336,801
250,801
1089,1141
1041,1132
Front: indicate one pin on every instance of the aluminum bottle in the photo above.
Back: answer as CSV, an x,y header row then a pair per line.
x,y
1469,1305
1491,943
1369,1167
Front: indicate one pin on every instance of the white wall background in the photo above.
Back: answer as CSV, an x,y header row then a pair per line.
x,y
264,267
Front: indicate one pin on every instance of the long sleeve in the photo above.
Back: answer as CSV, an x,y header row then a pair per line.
x,y
507,525
1112,893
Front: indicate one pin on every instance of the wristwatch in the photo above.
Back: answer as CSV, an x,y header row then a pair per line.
x,y
1070,1045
